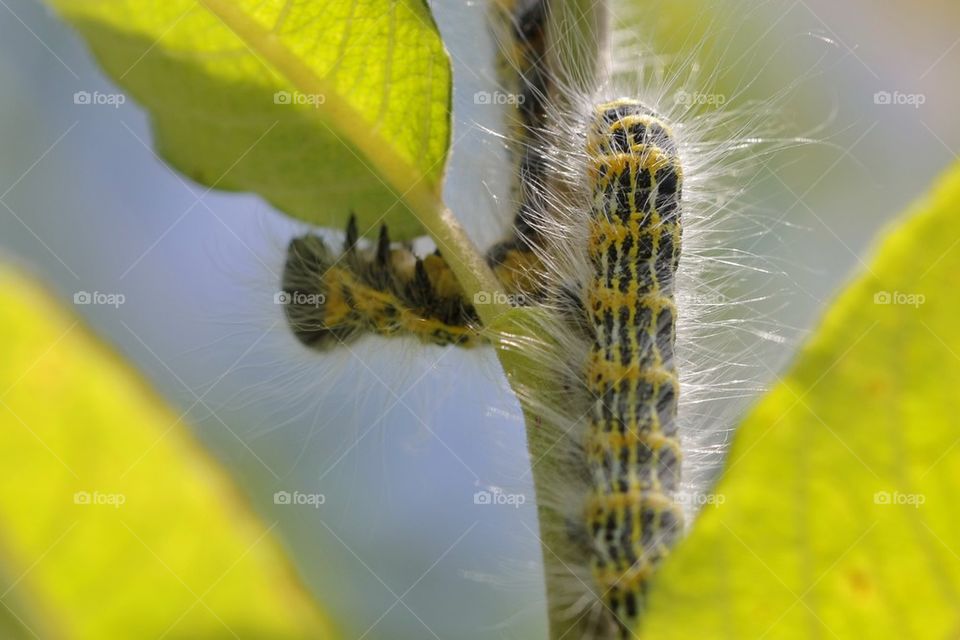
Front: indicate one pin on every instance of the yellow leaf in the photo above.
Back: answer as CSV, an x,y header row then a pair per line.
x,y
113,522
839,514
323,107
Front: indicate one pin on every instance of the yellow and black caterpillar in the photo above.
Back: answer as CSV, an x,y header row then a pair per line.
x,y
333,298
525,71
633,452
391,291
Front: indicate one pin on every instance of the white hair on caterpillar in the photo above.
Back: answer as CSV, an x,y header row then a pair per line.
x,y
724,341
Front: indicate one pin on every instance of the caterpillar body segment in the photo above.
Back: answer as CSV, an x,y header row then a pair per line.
x,y
332,298
518,268
632,447
521,27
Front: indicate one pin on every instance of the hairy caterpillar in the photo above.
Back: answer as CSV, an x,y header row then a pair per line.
x,y
385,290
521,26
632,445
626,323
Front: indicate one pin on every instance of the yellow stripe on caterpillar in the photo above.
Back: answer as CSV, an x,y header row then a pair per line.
x,y
630,580
603,374
633,298
651,440
647,498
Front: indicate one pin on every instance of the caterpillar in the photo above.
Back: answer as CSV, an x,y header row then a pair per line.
x,y
521,28
333,299
631,442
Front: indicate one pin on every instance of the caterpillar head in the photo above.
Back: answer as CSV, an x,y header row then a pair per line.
x,y
317,309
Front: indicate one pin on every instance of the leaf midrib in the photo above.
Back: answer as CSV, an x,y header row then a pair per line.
x,y
405,181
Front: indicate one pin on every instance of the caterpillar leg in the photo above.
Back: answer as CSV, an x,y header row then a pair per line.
x,y
632,444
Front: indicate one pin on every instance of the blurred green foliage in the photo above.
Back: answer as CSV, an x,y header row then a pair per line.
x,y
115,523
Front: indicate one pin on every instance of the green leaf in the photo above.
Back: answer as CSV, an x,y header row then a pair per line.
x,y
839,513
113,522
363,122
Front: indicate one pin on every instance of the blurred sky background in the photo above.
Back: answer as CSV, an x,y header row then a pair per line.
x,y
404,436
